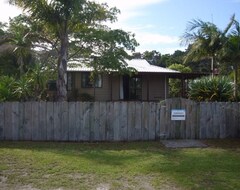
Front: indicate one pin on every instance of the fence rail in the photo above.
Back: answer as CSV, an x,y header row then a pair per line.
x,y
117,121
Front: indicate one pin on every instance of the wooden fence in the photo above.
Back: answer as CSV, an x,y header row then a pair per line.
x,y
117,121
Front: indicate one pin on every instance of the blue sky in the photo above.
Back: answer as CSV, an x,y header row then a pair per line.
x,y
158,24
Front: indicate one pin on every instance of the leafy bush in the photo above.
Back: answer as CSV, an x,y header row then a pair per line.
x,y
175,86
29,86
211,89
23,88
7,88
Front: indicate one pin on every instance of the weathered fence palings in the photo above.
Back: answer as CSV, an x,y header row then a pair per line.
x,y
117,121
78,121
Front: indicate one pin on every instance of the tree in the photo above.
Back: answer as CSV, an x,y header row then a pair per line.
x,y
178,57
2,29
205,40
153,57
175,86
166,60
231,53
16,43
74,27
199,65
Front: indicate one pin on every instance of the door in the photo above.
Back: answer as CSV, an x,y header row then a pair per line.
x,y
132,88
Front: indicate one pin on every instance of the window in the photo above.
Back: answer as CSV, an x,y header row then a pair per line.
x,y
135,88
89,82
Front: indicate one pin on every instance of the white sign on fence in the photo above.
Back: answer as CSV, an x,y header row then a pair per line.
x,y
178,114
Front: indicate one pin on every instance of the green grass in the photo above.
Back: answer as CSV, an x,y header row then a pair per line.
x,y
140,165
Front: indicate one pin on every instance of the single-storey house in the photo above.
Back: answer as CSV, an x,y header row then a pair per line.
x,y
149,84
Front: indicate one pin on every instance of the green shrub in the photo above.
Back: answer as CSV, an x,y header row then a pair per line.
x,y
7,88
175,85
211,89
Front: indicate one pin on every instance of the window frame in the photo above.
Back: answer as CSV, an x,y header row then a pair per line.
x,y
136,88
87,83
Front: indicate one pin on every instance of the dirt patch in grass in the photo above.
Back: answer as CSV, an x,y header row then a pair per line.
x,y
137,182
123,166
183,144
91,181
5,185
141,182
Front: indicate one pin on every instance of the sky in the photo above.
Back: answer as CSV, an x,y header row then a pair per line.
x,y
159,24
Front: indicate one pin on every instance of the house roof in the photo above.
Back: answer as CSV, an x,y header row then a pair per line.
x,y
141,65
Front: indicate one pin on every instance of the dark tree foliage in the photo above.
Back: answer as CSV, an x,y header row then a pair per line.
x,y
76,29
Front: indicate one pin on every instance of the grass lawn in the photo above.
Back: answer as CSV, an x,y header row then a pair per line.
x,y
102,166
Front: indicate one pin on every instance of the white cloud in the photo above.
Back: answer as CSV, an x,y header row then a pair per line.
x,y
154,41
150,38
126,15
171,50
130,8
7,11
145,38
161,49
148,35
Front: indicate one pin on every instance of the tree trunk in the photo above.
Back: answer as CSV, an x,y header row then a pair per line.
x,y
212,65
62,70
20,62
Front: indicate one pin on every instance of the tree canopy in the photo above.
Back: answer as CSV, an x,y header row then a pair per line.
x,y
76,29
205,40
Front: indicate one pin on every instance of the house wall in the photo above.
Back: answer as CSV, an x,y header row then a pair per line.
x,y
101,94
115,87
156,87
153,87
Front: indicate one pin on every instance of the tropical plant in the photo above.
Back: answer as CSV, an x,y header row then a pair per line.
x,y
218,88
33,84
23,88
40,75
231,53
75,27
17,43
205,40
7,88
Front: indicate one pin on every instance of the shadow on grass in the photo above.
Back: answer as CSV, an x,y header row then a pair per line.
x,y
101,153
208,168
193,168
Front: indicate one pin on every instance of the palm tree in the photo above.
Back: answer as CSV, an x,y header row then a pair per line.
x,y
231,53
59,20
16,41
205,40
